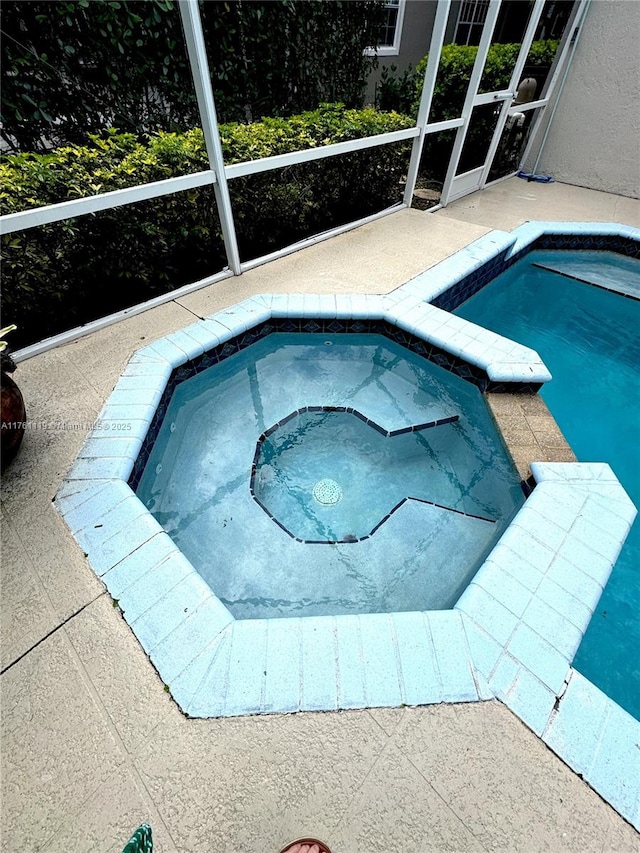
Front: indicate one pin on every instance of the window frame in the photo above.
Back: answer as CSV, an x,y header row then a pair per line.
x,y
472,23
391,49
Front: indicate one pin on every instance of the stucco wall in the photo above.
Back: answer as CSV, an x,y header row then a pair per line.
x,y
594,138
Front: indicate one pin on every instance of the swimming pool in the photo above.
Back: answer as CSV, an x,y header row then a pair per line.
x,y
588,337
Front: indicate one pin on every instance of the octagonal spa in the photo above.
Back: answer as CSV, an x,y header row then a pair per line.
x,y
328,461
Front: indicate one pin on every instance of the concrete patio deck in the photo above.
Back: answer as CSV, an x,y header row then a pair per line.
x,y
93,745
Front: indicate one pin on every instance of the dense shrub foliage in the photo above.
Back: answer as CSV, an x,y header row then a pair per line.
x,y
61,275
395,91
454,72
402,92
76,67
456,65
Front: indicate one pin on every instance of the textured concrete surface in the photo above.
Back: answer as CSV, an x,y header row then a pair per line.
x,y
92,745
511,203
599,105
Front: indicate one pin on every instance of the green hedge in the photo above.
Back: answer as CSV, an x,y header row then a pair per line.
x,y
456,65
54,276
402,92
76,67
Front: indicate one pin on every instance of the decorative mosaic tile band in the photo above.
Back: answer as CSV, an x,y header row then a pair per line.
x,y
447,360
597,242
354,539
470,284
351,411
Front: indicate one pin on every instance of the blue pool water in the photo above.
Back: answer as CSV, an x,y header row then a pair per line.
x,y
589,339
244,477
325,475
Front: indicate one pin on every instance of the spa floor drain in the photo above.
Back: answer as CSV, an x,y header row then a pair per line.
x,y
327,492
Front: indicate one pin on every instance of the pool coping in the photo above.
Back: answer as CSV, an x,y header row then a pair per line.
x,y
511,636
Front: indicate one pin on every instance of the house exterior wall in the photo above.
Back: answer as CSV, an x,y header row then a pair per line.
x,y
416,32
419,16
594,138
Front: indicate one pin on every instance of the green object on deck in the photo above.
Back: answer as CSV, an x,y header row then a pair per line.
x,y
141,841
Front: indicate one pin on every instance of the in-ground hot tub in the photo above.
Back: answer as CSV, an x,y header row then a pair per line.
x,y
513,631
326,473
394,375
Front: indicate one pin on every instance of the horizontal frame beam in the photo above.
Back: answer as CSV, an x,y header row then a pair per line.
x,y
103,201
448,124
110,319
279,161
47,214
531,105
493,97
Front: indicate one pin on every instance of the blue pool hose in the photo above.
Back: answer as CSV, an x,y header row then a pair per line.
x,y
542,179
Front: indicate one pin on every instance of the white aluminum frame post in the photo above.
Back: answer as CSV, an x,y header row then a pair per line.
x,y
527,41
562,66
470,99
428,86
196,48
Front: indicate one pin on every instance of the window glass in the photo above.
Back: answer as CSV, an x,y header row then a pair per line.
x,y
471,18
387,36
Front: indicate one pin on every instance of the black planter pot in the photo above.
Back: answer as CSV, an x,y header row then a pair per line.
x,y
14,414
